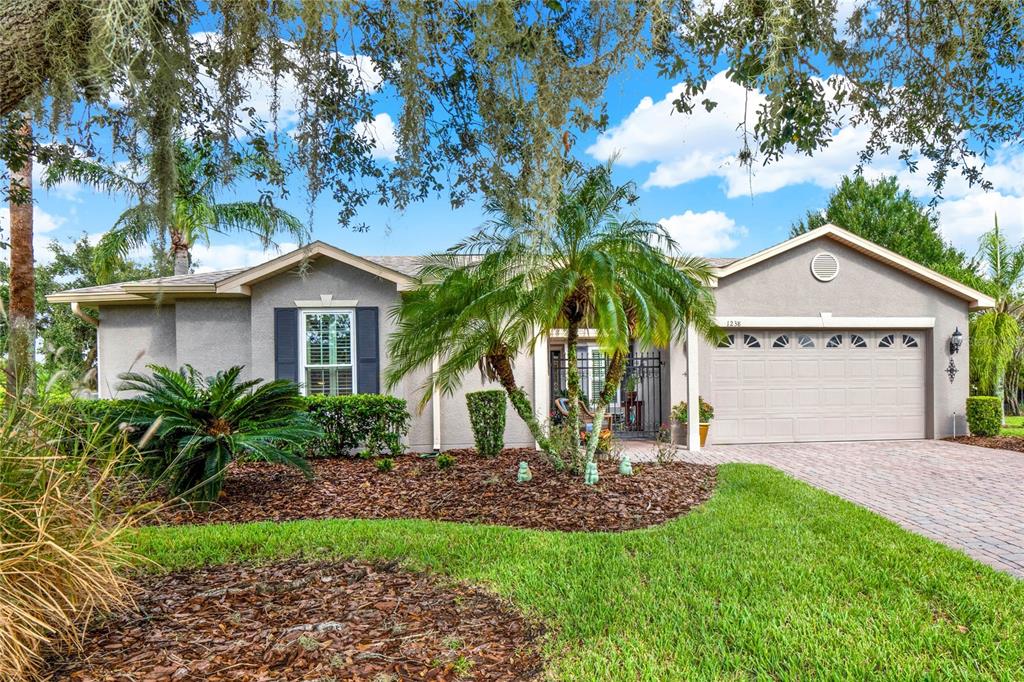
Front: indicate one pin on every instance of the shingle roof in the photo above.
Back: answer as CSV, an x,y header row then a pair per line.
x,y
407,265
195,278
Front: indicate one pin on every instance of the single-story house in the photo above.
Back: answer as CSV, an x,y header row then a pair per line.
x,y
829,337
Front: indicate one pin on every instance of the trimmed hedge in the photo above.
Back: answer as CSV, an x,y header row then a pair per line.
x,y
487,417
376,423
984,415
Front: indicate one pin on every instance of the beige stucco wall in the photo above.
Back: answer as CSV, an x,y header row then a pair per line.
x,y
213,334
783,286
129,338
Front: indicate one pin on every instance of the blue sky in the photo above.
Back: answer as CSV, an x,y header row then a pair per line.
x,y
683,165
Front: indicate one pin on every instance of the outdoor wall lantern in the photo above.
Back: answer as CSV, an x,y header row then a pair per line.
x,y
954,342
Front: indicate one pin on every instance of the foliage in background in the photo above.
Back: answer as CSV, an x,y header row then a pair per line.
x,y
996,333
68,344
704,409
984,415
196,425
63,516
490,94
372,423
195,212
487,417
889,216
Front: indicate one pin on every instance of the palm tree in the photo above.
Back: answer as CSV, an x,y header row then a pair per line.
x,y
996,333
466,316
591,268
195,213
21,313
198,425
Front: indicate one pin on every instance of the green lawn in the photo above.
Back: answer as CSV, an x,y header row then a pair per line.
x,y
1014,427
770,579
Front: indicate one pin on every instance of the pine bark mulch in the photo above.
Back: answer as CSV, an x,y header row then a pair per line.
x,y
297,620
1015,443
476,490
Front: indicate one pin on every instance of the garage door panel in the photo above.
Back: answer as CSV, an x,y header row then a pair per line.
x,y
807,391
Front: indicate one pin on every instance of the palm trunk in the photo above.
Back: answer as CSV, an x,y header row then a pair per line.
x,y
180,252
502,366
22,310
612,379
573,389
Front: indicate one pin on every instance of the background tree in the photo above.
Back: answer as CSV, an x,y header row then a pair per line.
x,y
196,213
491,93
889,216
68,348
996,333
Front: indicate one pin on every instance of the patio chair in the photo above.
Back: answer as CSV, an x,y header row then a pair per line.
x,y
586,416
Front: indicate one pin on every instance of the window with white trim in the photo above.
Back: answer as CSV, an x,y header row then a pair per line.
x,y
728,342
781,341
328,349
857,341
887,341
909,341
805,341
751,341
835,341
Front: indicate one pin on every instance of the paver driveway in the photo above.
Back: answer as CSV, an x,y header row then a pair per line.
x,y
967,497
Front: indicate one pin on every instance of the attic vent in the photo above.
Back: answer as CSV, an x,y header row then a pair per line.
x,y
824,267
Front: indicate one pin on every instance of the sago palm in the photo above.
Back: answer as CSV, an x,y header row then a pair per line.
x,y
198,425
195,212
996,333
590,267
465,316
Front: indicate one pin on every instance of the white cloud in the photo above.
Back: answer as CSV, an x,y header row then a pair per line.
x,y
69,190
42,222
382,131
703,234
229,256
963,220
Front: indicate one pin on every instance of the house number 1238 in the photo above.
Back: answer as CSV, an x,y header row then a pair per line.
x,y
732,323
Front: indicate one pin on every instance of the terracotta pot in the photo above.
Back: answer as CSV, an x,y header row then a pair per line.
x,y
703,433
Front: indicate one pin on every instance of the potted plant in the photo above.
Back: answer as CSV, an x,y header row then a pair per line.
x,y
706,414
631,384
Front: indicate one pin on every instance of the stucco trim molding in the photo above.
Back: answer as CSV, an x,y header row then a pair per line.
x,y
240,283
327,301
823,321
975,298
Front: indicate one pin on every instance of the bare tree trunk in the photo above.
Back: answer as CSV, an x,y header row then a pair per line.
x,y
180,251
502,366
573,390
22,309
612,379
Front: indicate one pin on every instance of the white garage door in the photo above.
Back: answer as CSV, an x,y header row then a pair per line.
x,y
786,386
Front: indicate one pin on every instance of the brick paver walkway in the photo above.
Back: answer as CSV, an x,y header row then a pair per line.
x,y
967,497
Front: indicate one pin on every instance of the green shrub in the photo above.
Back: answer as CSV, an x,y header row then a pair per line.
x,y
385,465
373,422
445,461
487,417
705,410
984,415
198,425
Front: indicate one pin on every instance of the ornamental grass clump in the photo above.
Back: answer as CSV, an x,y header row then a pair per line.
x,y
202,424
64,508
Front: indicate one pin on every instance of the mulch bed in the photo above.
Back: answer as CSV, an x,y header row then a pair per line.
x,y
307,621
1015,443
476,490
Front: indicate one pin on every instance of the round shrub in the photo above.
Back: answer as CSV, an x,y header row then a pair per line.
x,y
487,416
984,415
385,465
445,461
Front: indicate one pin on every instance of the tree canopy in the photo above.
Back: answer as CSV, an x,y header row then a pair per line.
x,y
491,94
889,216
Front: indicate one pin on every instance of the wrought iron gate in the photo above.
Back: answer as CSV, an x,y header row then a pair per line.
x,y
636,410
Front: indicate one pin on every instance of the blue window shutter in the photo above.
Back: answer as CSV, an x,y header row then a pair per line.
x,y
286,344
367,350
